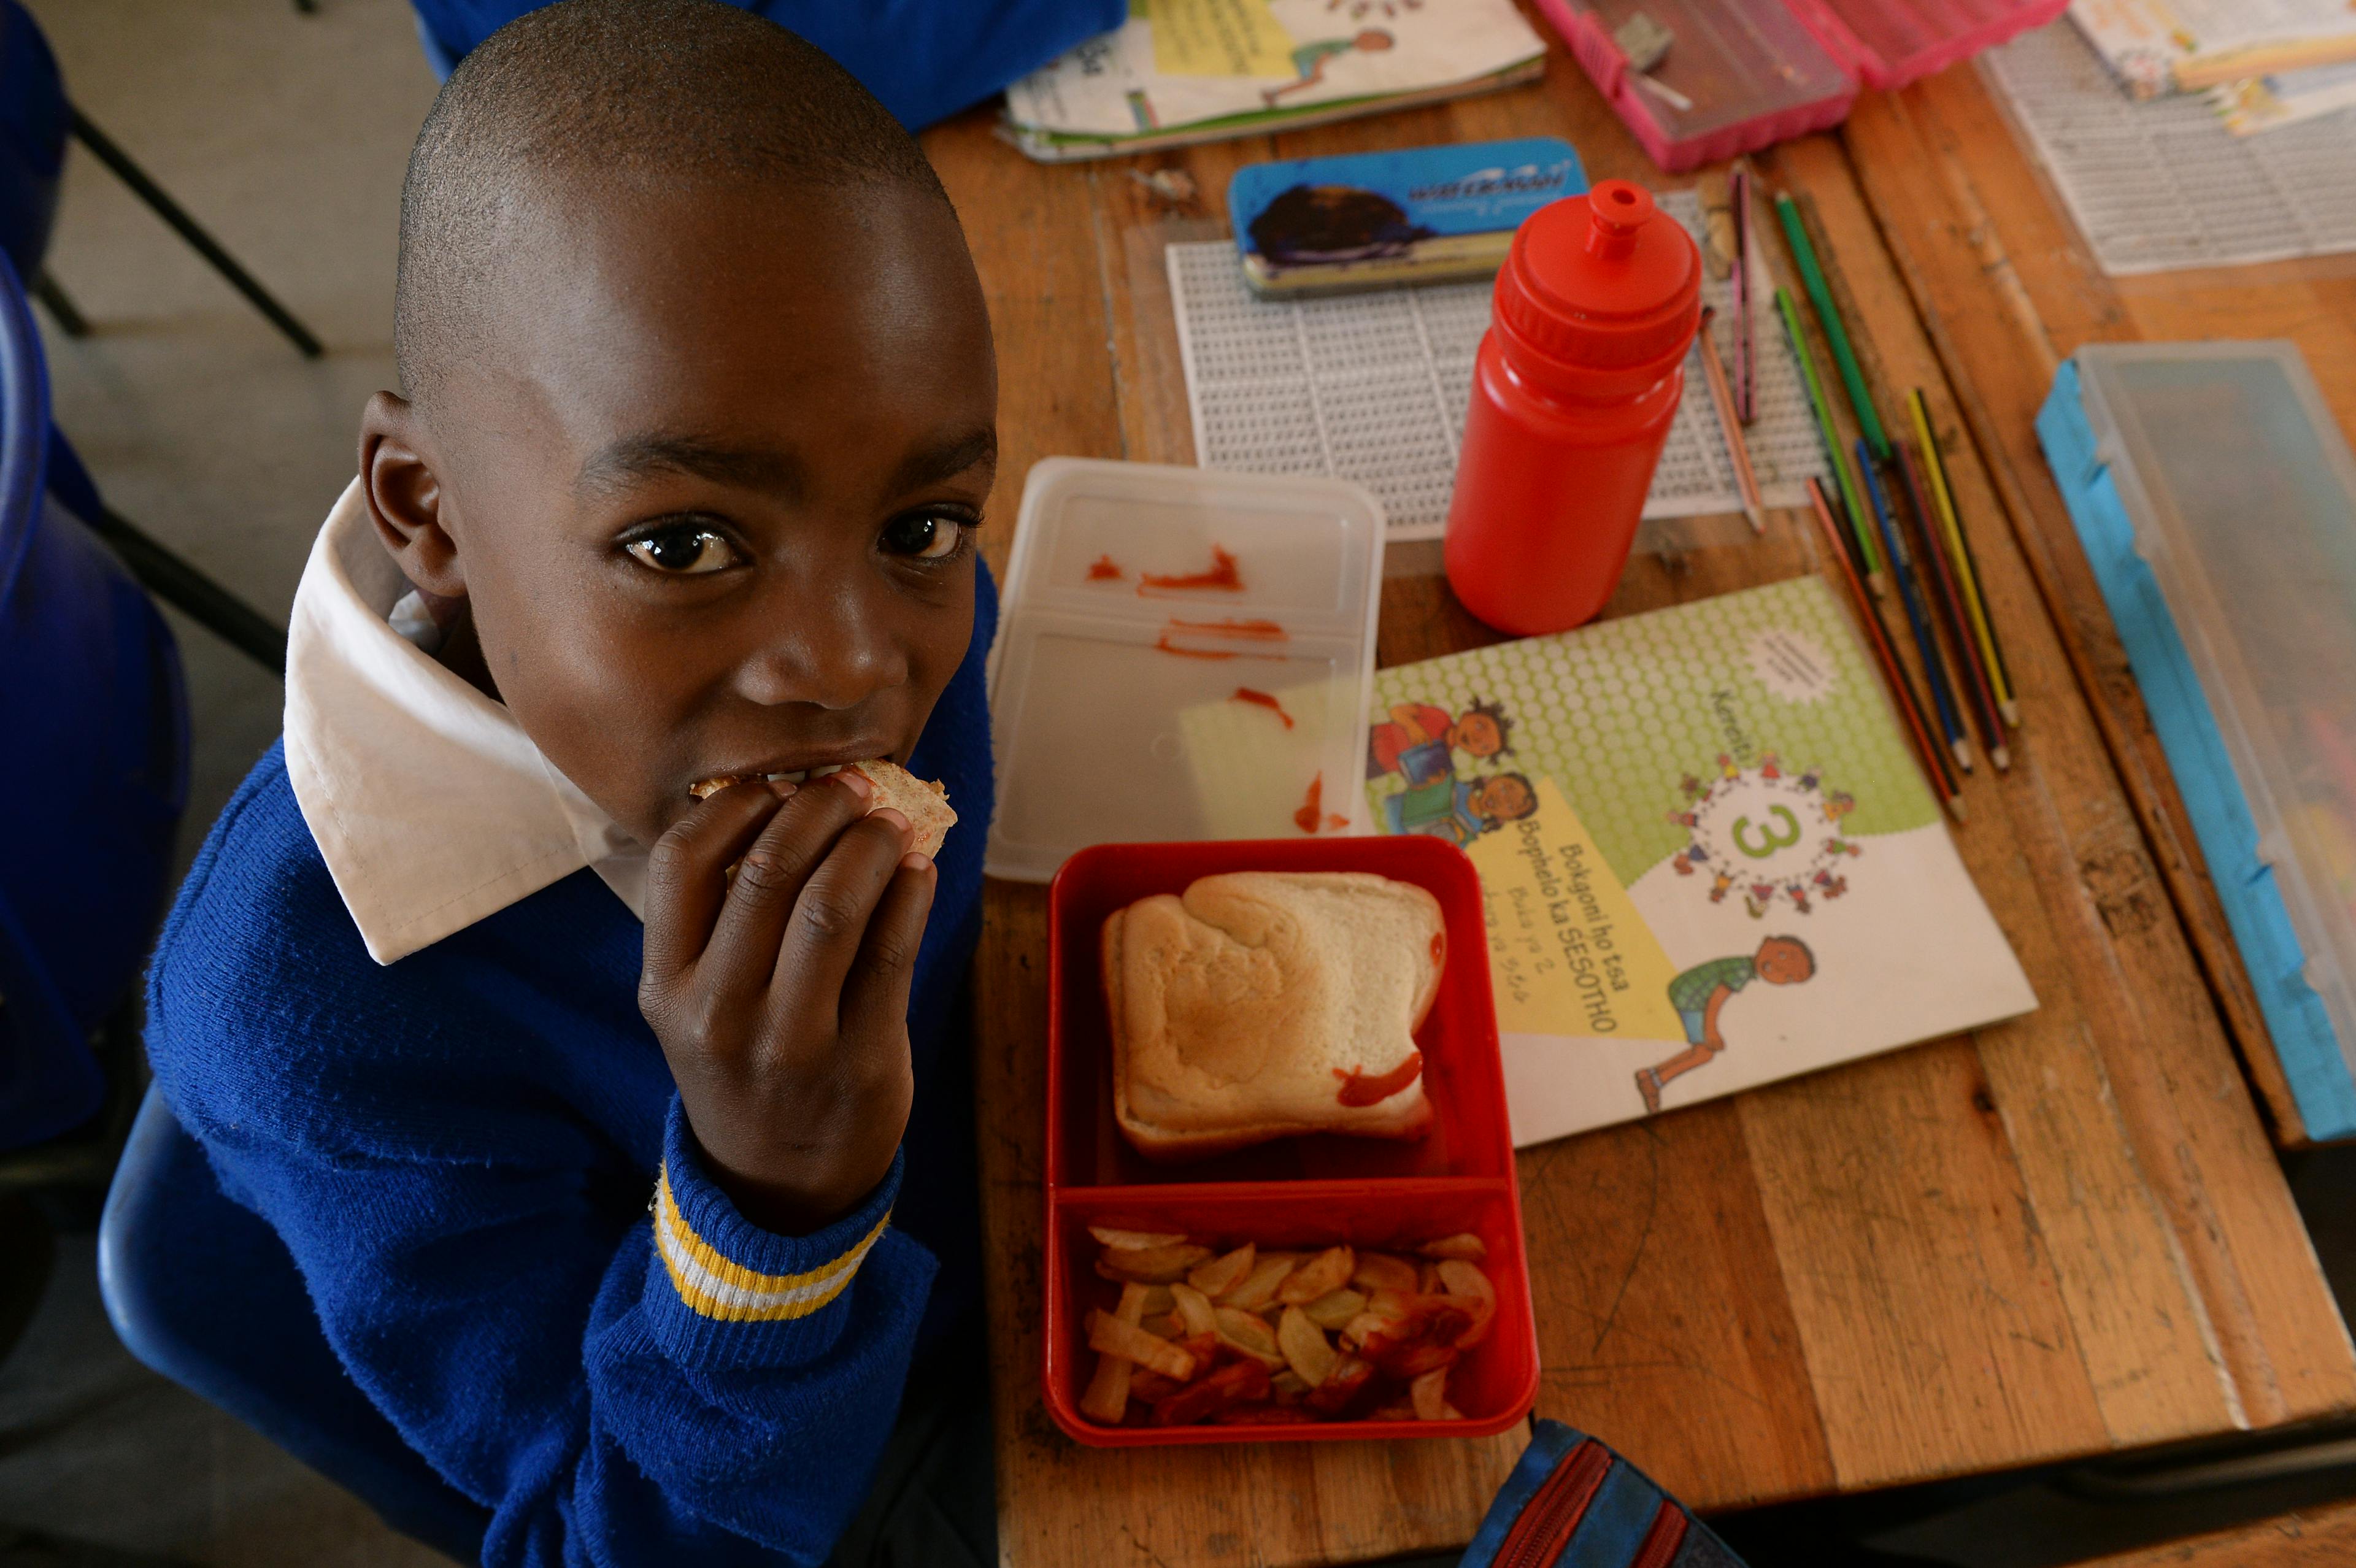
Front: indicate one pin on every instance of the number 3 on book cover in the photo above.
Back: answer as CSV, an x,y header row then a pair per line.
x,y
1707,857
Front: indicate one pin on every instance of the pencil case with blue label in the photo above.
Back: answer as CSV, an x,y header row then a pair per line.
x,y
1572,1501
1423,215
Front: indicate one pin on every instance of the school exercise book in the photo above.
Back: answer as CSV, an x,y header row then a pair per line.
x,y
1709,856
1181,71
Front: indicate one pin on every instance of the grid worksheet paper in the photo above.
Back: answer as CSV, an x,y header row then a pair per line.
x,y
1374,388
2163,184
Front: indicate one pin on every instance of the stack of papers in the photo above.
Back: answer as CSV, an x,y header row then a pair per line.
x,y
2285,98
2164,184
2157,46
1181,71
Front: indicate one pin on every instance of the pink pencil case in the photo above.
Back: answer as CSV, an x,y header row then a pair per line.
x,y
1754,72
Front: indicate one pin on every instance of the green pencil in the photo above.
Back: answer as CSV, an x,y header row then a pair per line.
x,y
1831,437
1843,355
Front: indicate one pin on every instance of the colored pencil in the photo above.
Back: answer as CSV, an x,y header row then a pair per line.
x,y
1737,451
1947,599
1834,453
1821,296
1934,761
1745,371
1967,567
1901,567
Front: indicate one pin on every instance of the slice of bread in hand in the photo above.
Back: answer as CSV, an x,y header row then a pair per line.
x,y
1264,1004
926,804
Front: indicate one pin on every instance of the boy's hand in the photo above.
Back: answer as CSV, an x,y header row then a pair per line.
x,y
781,996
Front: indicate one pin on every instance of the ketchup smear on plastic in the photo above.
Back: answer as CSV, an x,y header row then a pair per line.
x,y
1254,631
1223,576
1167,647
1312,806
1360,1089
1106,570
1261,699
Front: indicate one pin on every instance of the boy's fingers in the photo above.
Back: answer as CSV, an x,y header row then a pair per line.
x,y
743,950
685,880
831,917
876,999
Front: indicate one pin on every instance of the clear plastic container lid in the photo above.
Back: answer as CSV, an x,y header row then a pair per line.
x,y
1183,654
2242,494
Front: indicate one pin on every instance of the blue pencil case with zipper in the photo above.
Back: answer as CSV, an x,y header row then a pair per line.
x,y
1574,1503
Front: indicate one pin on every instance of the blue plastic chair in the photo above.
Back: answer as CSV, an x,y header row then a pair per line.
x,y
93,763
204,1292
925,59
35,119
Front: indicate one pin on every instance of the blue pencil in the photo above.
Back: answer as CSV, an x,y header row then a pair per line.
x,y
1901,567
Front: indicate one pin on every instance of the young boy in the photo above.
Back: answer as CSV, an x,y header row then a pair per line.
x,y
618,1136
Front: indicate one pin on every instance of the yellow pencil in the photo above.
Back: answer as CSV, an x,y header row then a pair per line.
x,y
1959,551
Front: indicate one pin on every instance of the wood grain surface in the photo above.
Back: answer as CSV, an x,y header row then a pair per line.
x,y
2057,1237
2006,290
2311,1538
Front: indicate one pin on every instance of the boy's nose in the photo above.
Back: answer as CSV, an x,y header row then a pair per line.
x,y
831,662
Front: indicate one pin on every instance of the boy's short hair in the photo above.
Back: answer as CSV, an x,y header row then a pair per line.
x,y
622,91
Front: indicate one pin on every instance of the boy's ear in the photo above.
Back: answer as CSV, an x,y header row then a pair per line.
x,y
405,497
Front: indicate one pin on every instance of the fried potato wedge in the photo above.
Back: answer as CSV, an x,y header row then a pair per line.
x,y
1306,1349
1110,1335
1326,1273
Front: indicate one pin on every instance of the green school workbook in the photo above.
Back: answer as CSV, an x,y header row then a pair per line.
x,y
1706,852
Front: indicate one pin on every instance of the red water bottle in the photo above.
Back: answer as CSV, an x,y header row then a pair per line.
x,y
1577,379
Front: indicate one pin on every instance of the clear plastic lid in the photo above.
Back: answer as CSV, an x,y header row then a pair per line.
x,y
2243,497
1183,654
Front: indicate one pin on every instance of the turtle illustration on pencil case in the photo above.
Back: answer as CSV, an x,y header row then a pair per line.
x,y
1311,224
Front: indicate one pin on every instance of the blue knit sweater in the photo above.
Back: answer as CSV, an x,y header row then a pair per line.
x,y
466,1152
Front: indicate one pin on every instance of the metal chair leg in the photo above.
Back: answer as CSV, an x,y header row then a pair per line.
x,y
70,319
204,244
194,594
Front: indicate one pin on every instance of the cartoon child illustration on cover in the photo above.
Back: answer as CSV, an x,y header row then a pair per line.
x,y
1479,732
1700,995
1417,744
1459,810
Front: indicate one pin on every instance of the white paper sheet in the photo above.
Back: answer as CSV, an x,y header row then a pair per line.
x,y
1374,388
2163,185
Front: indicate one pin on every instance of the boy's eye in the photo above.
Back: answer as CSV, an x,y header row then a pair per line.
x,y
926,536
683,551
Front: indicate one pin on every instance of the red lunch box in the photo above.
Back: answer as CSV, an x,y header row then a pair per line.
x,y
1295,1193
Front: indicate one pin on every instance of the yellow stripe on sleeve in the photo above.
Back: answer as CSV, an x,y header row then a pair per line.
x,y
719,1287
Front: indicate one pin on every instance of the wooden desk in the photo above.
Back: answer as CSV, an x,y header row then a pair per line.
x,y
2054,1238
2008,290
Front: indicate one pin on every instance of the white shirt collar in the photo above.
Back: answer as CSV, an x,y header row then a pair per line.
x,y
430,805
